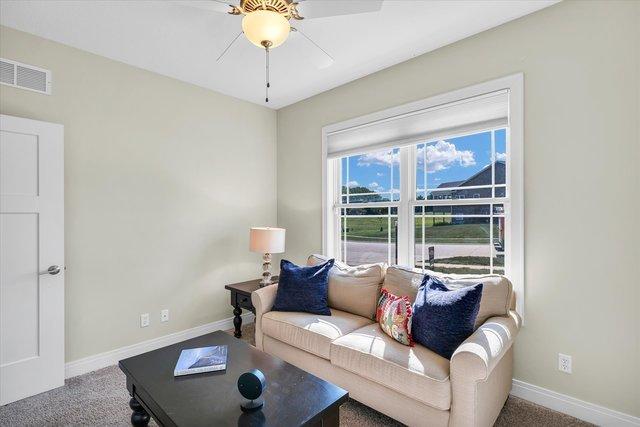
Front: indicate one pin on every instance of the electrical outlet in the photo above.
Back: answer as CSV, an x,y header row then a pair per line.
x,y
164,315
144,320
564,363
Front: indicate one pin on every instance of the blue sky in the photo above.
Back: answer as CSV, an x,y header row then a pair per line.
x,y
452,159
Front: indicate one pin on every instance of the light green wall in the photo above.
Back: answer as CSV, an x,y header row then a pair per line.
x,y
162,181
582,182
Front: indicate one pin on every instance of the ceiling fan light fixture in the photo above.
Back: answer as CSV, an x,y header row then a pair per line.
x,y
265,28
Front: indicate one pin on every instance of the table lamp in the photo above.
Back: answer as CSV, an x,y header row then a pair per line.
x,y
267,241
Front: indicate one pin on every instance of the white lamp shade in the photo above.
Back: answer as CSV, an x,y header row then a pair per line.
x,y
266,240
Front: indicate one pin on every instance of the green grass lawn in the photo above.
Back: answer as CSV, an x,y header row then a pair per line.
x,y
436,230
455,233
470,260
368,229
462,270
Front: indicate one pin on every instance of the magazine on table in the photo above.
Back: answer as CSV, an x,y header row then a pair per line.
x,y
203,359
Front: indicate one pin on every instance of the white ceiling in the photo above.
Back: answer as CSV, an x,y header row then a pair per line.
x,y
183,42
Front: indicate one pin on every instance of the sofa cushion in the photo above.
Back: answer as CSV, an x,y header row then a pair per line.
x,y
416,372
353,289
497,290
303,288
402,281
311,332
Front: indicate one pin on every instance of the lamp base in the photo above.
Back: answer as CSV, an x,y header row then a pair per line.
x,y
266,270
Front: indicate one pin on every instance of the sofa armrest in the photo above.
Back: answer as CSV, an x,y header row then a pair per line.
x,y
484,348
262,301
481,372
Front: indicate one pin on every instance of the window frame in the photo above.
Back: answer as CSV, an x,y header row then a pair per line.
x,y
514,179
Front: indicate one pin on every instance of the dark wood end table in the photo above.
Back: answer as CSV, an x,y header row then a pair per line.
x,y
241,298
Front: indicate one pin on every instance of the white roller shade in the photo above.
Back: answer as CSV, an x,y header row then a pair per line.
x,y
469,115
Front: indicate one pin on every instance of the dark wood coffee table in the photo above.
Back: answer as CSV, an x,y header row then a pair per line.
x,y
293,397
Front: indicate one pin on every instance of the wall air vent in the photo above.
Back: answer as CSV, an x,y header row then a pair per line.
x,y
24,76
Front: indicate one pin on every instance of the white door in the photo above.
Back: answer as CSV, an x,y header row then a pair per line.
x,y
31,257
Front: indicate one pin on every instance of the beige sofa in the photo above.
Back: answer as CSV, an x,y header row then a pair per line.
x,y
410,384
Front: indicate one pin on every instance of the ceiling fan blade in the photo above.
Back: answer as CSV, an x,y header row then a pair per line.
x,y
317,55
224,52
220,6
310,9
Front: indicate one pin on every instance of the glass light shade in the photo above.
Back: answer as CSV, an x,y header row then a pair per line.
x,y
265,25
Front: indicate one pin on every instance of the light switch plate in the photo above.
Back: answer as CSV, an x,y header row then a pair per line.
x,y
144,320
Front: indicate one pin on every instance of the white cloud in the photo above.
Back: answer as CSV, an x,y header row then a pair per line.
x,y
352,184
501,157
378,158
444,154
376,187
379,174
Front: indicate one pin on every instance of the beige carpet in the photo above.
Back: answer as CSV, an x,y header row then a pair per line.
x,y
100,398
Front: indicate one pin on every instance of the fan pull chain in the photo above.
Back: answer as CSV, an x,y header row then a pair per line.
x,y
266,49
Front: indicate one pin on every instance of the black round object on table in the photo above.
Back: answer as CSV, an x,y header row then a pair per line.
x,y
251,385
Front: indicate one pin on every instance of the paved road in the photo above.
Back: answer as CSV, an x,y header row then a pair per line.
x,y
367,252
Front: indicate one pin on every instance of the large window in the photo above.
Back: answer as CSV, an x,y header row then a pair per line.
x,y
459,192
432,185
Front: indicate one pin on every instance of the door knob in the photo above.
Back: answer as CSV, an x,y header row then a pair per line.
x,y
53,270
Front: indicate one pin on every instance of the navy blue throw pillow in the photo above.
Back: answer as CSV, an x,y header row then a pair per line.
x,y
303,288
443,318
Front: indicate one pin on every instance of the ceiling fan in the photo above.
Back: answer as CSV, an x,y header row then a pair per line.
x,y
266,23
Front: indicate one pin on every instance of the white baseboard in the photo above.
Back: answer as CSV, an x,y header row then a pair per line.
x,y
571,406
108,358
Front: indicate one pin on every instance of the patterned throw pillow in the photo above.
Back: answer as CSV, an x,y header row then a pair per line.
x,y
394,316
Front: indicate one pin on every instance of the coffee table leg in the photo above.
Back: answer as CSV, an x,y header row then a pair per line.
x,y
140,417
237,321
332,419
